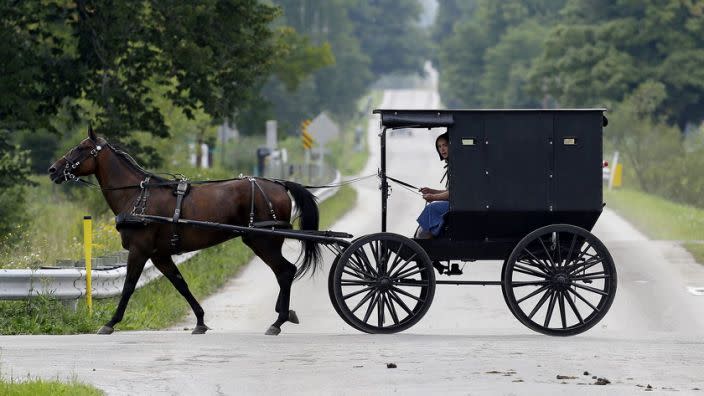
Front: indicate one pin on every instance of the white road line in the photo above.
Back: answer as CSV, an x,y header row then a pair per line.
x,y
697,291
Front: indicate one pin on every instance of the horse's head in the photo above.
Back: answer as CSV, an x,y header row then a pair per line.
x,y
79,161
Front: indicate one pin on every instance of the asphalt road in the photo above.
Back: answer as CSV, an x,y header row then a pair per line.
x,y
468,343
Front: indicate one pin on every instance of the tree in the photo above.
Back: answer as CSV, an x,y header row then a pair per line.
x,y
390,35
651,147
604,50
486,50
14,169
111,54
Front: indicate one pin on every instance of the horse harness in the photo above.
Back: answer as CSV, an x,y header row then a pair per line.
x,y
181,190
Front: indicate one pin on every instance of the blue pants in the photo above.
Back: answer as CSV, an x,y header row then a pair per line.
x,y
431,218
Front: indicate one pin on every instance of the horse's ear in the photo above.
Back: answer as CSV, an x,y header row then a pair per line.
x,y
91,134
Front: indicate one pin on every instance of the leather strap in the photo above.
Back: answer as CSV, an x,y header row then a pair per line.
x,y
180,193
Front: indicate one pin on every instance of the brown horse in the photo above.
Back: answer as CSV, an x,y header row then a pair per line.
x,y
129,189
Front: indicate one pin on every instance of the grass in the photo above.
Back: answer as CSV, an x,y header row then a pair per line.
x,y
157,305
659,218
39,387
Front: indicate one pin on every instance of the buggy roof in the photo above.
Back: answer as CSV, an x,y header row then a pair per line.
x,y
402,118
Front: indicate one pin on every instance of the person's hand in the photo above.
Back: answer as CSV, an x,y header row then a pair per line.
x,y
429,197
427,190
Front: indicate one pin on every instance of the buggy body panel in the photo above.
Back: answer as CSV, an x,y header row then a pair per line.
x,y
513,171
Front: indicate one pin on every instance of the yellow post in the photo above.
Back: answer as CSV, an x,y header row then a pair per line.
x,y
618,175
88,247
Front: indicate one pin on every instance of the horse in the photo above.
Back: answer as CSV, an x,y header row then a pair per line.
x,y
129,189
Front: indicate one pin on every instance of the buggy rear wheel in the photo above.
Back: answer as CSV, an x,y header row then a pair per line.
x,y
382,283
559,280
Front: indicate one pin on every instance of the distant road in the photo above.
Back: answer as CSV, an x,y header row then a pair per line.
x,y
468,343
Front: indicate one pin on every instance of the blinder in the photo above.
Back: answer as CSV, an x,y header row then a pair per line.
x,y
73,164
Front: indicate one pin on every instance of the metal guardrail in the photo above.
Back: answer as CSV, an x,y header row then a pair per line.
x,y
70,283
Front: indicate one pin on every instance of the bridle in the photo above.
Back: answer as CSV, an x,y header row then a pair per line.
x,y
71,165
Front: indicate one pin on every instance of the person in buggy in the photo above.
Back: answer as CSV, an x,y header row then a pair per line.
x,y
431,219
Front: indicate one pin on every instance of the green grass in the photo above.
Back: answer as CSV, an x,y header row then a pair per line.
x,y
659,218
55,229
157,305
39,387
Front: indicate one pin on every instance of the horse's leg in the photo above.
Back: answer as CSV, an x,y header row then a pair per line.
x,y
135,265
269,250
167,267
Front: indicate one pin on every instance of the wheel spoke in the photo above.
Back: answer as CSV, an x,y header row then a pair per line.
x,y
351,282
371,307
380,310
591,289
407,294
584,252
561,303
537,260
402,267
360,267
586,265
574,309
375,254
551,306
596,275
528,283
552,262
354,293
559,248
540,303
397,259
391,309
407,274
569,253
533,293
386,257
362,301
583,299
400,302
356,273
528,271
367,264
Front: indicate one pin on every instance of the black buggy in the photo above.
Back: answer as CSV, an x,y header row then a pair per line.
x,y
526,189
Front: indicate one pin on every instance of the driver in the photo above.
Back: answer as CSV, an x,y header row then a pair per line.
x,y
431,218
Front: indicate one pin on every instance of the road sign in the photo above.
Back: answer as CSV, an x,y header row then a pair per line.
x,y
323,129
306,137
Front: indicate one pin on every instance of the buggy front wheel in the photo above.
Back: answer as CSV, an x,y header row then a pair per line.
x,y
382,283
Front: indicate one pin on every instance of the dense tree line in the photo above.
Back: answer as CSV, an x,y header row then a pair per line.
x,y
640,59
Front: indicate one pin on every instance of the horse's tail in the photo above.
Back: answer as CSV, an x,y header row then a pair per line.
x,y
308,209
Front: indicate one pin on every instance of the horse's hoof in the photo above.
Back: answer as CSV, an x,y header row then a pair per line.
x,y
106,330
200,329
292,317
273,330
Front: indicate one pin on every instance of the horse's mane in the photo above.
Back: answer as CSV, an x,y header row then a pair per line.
x,y
133,163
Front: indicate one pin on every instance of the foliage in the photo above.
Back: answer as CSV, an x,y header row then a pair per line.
x,y
14,169
389,33
486,50
39,387
603,50
652,148
112,55
659,218
365,39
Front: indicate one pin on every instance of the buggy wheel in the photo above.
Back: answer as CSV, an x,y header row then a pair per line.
x,y
382,283
559,280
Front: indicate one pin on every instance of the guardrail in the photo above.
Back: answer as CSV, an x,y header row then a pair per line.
x,y
70,283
